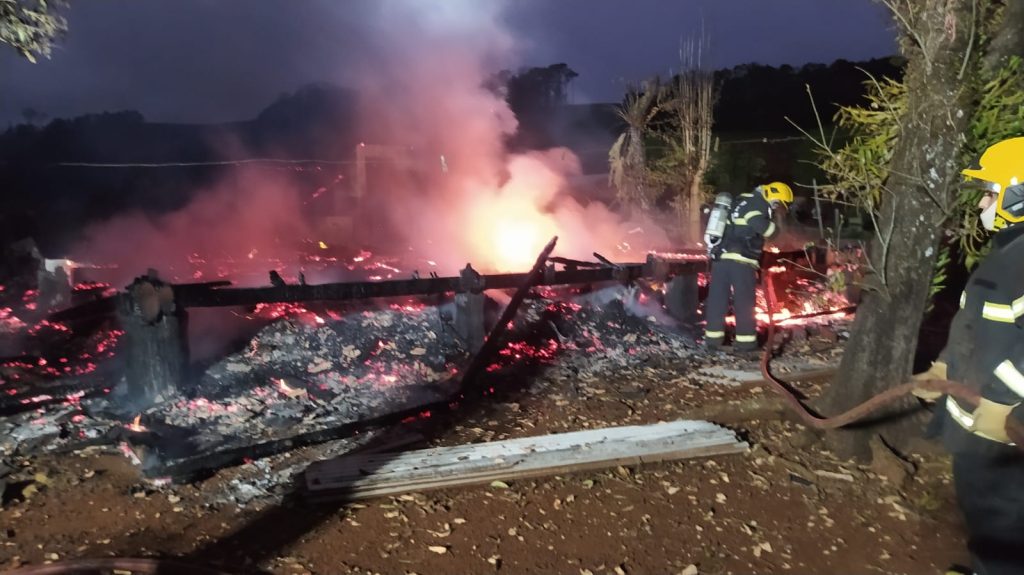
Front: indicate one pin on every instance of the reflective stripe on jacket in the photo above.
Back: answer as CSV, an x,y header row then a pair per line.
x,y
986,339
750,222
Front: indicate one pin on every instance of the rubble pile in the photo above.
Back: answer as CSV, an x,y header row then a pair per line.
x,y
303,373
299,375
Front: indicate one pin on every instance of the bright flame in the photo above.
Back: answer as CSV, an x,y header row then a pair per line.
x,y
322,245
511,224
515,244
136,424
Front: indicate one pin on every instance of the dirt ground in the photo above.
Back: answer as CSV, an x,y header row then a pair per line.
x,y
787,506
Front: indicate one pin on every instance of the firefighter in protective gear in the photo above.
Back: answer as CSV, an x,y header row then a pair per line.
x,y
735,262
985,349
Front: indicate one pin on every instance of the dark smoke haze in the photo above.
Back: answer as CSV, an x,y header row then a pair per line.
x,y
419,71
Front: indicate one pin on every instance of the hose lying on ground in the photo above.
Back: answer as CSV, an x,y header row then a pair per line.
x,y
130,566
968,395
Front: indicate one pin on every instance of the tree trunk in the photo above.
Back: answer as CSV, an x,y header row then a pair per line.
x,y
923,174
690,205
1008,40
636,161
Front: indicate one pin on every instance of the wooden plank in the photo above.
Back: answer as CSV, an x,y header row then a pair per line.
x,y
362,476
515,465
487,478
553,442
440,456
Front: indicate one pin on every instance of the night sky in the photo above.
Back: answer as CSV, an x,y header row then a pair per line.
x,y
211,61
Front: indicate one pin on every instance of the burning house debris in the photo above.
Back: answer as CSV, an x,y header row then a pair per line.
x,y
311,385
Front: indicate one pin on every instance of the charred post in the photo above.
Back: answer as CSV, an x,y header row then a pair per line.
x,y
469,309
155,343
54,288
682,298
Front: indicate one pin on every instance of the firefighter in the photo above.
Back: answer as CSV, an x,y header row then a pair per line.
x,y
735,262
985,349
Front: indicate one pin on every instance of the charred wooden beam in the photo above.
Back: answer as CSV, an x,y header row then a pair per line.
x,y
195,297
86,311
107,306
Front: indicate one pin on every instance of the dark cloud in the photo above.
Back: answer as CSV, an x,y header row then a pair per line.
x,y
187,60
216,60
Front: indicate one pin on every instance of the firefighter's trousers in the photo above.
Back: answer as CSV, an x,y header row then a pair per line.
x,y
739,279
990,492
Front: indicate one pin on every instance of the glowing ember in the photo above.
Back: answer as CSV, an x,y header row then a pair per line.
x,y
274,311
36,399
410,307
89,286
74,398
519,350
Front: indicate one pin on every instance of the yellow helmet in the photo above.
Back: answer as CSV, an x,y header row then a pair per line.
x,y
777,192
1002,167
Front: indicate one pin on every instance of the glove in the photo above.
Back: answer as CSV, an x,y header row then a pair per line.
x,y
936,371
990,419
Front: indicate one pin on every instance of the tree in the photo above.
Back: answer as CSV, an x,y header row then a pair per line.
x,y
628,157
909,187
690,104
32,116
31,26
534,95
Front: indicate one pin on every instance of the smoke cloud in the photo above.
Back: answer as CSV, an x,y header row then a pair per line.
x,y
441,182
425,91
254,216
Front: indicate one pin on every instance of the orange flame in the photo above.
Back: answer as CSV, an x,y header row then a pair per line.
x,y
136,424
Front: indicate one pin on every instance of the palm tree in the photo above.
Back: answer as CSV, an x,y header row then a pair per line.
x,y
628,156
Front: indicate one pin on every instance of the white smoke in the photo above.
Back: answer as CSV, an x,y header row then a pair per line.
x,y
425,90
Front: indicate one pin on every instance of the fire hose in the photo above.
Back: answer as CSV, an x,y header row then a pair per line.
x,y
130,566
968,395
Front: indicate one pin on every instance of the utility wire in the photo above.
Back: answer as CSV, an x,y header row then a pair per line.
x,y
286,162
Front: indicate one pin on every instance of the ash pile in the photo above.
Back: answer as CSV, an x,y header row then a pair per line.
x,y
307,380
300,375
303,378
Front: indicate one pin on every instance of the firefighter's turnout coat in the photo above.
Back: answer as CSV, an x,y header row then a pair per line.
x,y
986,342
750,222
736,260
